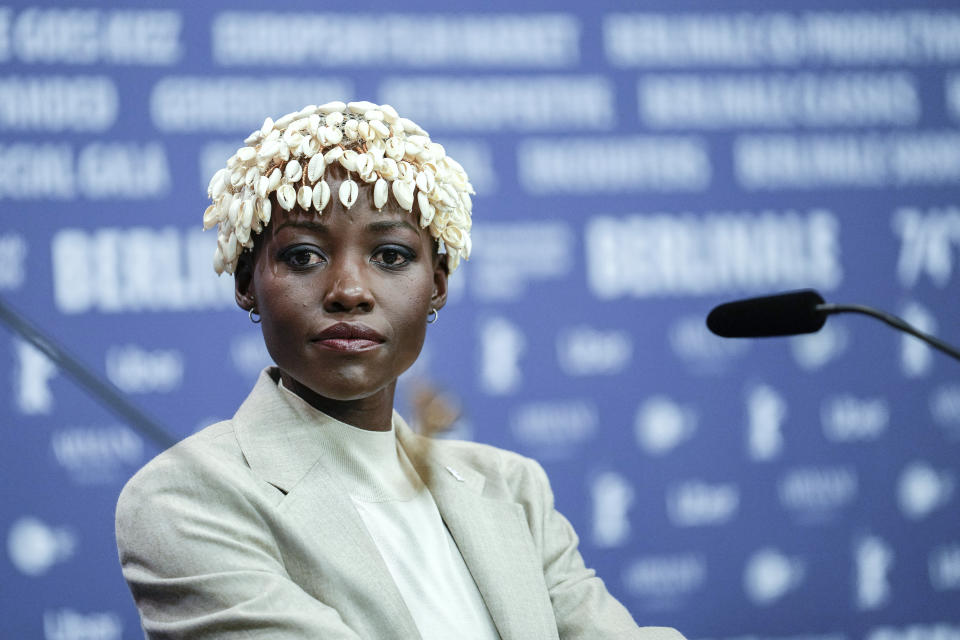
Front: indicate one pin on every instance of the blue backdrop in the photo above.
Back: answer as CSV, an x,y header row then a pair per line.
x,y
634,167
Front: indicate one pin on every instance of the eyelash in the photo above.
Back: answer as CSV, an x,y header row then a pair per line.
x,y
403,252
289,255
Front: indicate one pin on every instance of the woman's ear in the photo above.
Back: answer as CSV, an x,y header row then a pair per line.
x,y
243,282
439,296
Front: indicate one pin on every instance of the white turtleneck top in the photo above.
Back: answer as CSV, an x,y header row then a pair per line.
x,y
402,518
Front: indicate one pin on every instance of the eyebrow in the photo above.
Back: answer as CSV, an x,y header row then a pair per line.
x,y
303,224
376,227
390,225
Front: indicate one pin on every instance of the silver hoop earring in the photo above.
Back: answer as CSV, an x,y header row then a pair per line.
x,y
436,314
250,315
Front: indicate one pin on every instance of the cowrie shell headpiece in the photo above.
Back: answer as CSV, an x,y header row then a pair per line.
x,y
372,142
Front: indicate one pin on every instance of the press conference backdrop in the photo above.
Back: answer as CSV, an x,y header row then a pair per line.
x,y
634,166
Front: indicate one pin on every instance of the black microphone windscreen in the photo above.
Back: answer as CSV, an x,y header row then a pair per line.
x,y
784,314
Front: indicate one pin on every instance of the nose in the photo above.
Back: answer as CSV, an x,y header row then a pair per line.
x,y
347,290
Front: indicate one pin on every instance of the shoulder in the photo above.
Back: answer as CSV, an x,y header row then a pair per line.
x,y
206,467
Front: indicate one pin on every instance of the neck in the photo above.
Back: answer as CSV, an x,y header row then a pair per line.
x,y
373,413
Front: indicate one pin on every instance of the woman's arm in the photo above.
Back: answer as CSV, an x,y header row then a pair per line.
x,y
202,564
584,608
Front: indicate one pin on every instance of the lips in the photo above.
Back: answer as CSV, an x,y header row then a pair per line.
x,y
348,336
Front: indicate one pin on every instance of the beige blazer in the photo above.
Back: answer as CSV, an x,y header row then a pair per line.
x,y
239,531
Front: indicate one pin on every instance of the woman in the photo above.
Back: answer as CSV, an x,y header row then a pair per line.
x,y
315,512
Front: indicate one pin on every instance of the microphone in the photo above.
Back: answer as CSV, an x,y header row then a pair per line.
x,y
796,312
785,314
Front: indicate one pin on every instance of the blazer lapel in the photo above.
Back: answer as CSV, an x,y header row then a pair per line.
x,y
493,539
284,449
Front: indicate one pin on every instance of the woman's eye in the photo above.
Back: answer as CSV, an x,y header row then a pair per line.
x,y
301,257
392,256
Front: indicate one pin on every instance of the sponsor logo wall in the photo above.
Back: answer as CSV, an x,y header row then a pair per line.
x,y
633,169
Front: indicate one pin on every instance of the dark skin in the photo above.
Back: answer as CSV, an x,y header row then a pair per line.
x,y
372,275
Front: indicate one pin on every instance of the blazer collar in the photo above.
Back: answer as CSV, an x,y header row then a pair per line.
x,y
280,444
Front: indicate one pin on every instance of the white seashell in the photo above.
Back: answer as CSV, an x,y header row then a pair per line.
x,y
395,148
229,248
348,193
425,181
380,190
350,129
330,107
293,171
304,197
448,195
365,163
210,216
253,138
411,150
467,201
435,149
403,192
406,171
349,160
453,260
269,149
274,179
283,122
360,106
284,153
315,168
389,113
409,126
286,196
427,210
218,261
224,204
453,237
263,185
292,138
233,213
373,114
376,149
236,178
368,176
273,136
334,119
309,147
264,209
246,215
216,187
321,195
381,129
267,126
246,154
363,130
333,155
301,123
251,176
388,169
243,235
313,123
333,136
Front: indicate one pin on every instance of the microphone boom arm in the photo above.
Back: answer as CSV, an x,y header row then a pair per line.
x,y
829,308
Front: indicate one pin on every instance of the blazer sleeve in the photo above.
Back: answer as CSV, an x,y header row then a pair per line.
x,y
202,564
583,607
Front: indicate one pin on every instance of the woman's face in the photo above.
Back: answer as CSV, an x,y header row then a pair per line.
x,y
344,299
